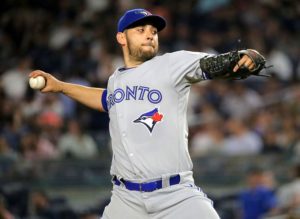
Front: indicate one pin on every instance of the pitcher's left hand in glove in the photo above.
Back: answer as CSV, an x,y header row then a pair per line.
x,y
233,65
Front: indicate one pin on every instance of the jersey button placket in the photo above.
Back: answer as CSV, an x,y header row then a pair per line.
x,y
122,124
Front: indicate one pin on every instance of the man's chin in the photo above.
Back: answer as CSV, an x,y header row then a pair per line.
x,y
147,55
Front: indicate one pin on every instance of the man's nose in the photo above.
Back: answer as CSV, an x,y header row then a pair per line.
x,y
149,35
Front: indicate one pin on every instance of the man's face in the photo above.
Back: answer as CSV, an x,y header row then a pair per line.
x,y
142,42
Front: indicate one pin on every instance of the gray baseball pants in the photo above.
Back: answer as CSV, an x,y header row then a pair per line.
x,y
184,200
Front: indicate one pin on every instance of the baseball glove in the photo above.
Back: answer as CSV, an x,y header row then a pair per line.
x,y
221,66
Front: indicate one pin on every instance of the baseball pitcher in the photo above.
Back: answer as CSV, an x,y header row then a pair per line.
x,y
146,100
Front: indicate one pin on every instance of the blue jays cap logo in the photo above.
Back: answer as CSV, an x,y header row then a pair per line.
x,y
150,119
144,12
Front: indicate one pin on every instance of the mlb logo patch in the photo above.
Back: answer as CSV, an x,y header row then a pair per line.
x,y
150,119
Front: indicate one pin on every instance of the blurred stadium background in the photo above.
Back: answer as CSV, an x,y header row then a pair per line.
x,y
55,154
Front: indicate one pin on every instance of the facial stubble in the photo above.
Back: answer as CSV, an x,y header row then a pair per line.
x,y
138,53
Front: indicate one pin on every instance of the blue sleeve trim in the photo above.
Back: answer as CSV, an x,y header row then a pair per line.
x,y
103,100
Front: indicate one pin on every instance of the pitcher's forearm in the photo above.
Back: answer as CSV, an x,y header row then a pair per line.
x,y
88,96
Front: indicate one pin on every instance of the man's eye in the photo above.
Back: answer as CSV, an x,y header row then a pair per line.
x,y
141,30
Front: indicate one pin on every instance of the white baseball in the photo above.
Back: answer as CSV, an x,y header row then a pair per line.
x,y
37,83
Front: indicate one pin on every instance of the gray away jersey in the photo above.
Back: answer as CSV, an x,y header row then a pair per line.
x,y
147,108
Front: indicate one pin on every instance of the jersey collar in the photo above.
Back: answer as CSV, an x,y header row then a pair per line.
x,y
124,69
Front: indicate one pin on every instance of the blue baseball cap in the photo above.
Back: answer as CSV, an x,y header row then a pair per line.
x,y
134,16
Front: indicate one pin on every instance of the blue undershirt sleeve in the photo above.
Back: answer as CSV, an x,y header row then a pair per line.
x,y
103,100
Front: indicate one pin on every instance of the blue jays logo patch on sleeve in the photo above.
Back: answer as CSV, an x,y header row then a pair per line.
x,y
149,119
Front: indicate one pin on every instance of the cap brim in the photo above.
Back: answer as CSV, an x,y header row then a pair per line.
x,y
155,20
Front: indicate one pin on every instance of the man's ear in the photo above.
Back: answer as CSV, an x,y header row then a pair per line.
x,y
121,38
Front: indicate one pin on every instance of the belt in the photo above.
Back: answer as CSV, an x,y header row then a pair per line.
x,y
145,187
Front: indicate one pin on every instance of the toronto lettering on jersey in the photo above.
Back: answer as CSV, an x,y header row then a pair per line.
x,y
134,93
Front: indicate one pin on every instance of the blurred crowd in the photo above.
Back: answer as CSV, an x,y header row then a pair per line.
x,y
75,41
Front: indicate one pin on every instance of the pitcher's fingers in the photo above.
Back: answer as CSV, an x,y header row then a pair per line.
x,y
36,73
248,62
240,63
251,67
